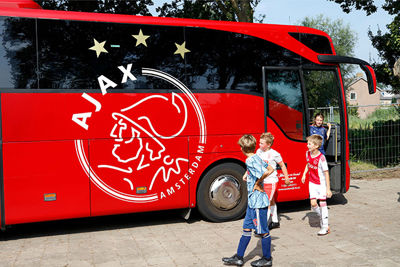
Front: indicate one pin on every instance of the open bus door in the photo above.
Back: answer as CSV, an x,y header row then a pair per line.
x,y
293,95
324,96
286,119
341,146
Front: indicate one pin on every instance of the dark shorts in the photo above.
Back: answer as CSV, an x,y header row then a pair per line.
x,y
256,219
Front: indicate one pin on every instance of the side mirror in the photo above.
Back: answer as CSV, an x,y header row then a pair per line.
x,y
369,71
371,78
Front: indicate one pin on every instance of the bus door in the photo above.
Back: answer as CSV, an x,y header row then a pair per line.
x,y
322,88
286,119
293,95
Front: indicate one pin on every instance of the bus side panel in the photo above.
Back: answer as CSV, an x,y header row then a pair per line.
x,y
43,181
228,116
150,175
219,147
294,155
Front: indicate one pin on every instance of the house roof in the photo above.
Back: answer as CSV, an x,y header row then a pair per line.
x,y
384,95
361,79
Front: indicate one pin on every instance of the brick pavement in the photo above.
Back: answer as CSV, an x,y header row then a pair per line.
x,y
364,223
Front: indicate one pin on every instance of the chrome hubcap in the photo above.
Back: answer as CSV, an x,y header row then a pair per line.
x,y
225,192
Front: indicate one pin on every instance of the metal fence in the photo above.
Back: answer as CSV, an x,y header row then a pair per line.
x,y
374,135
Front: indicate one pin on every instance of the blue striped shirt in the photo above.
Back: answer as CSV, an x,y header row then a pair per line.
x,y
256,167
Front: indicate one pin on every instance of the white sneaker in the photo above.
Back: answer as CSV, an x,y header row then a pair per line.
x,y
324,231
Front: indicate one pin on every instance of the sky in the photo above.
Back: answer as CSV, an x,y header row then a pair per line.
x,y
291,12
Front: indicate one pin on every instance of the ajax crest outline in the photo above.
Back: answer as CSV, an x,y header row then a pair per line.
x,y
149,153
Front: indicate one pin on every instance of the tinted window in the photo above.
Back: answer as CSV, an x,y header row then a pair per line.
x,y
217,59
66,60
226,60
285,101
317,43
17,53
323,94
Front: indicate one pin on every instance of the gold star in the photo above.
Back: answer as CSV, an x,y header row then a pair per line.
x,y
181,49
140,38
98,47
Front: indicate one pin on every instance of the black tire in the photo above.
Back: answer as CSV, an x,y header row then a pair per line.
x,y
229,201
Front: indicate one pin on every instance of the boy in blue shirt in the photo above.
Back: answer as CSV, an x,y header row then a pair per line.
x,y
318,128
257,205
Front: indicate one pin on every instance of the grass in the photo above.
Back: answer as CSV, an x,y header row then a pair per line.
x,y
386,114
361,166
365,170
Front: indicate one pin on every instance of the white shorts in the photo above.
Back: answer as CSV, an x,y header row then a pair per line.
x,y
317,191
270,190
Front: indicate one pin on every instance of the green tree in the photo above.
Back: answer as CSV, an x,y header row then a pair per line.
x,y
230,10
367,5
343,37
200,9
388,44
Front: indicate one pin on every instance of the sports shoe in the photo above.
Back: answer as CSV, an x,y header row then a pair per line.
x,y
273,225
234,260
324,231
262,262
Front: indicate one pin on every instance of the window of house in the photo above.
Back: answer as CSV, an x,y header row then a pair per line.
x,y
353,96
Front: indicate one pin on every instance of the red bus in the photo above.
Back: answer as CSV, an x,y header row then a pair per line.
x,y
108,114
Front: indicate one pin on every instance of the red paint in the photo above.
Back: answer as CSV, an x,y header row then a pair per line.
x,y
19,4
46,152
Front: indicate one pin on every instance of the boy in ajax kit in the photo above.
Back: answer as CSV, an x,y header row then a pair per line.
x,y
257,205
319,185
273,158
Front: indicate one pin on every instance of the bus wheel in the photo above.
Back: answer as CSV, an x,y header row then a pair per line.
x,y
222,193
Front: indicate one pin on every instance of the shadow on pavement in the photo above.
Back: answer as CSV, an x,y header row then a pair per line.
x,y
124,221
337,199
313,219
256,252
285,208
95,224
398,200
303,205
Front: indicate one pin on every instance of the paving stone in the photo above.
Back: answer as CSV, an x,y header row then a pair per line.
x,y
364,232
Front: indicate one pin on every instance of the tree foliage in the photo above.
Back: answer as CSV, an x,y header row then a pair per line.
x,y
387,44
343,37
367,5
200,9
229,10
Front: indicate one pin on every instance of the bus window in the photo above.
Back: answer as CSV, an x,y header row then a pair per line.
x,y
231,61
17,53
322,94
211,65
285,101
66,61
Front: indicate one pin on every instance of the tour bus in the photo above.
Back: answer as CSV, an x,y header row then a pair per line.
x,y
107,114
